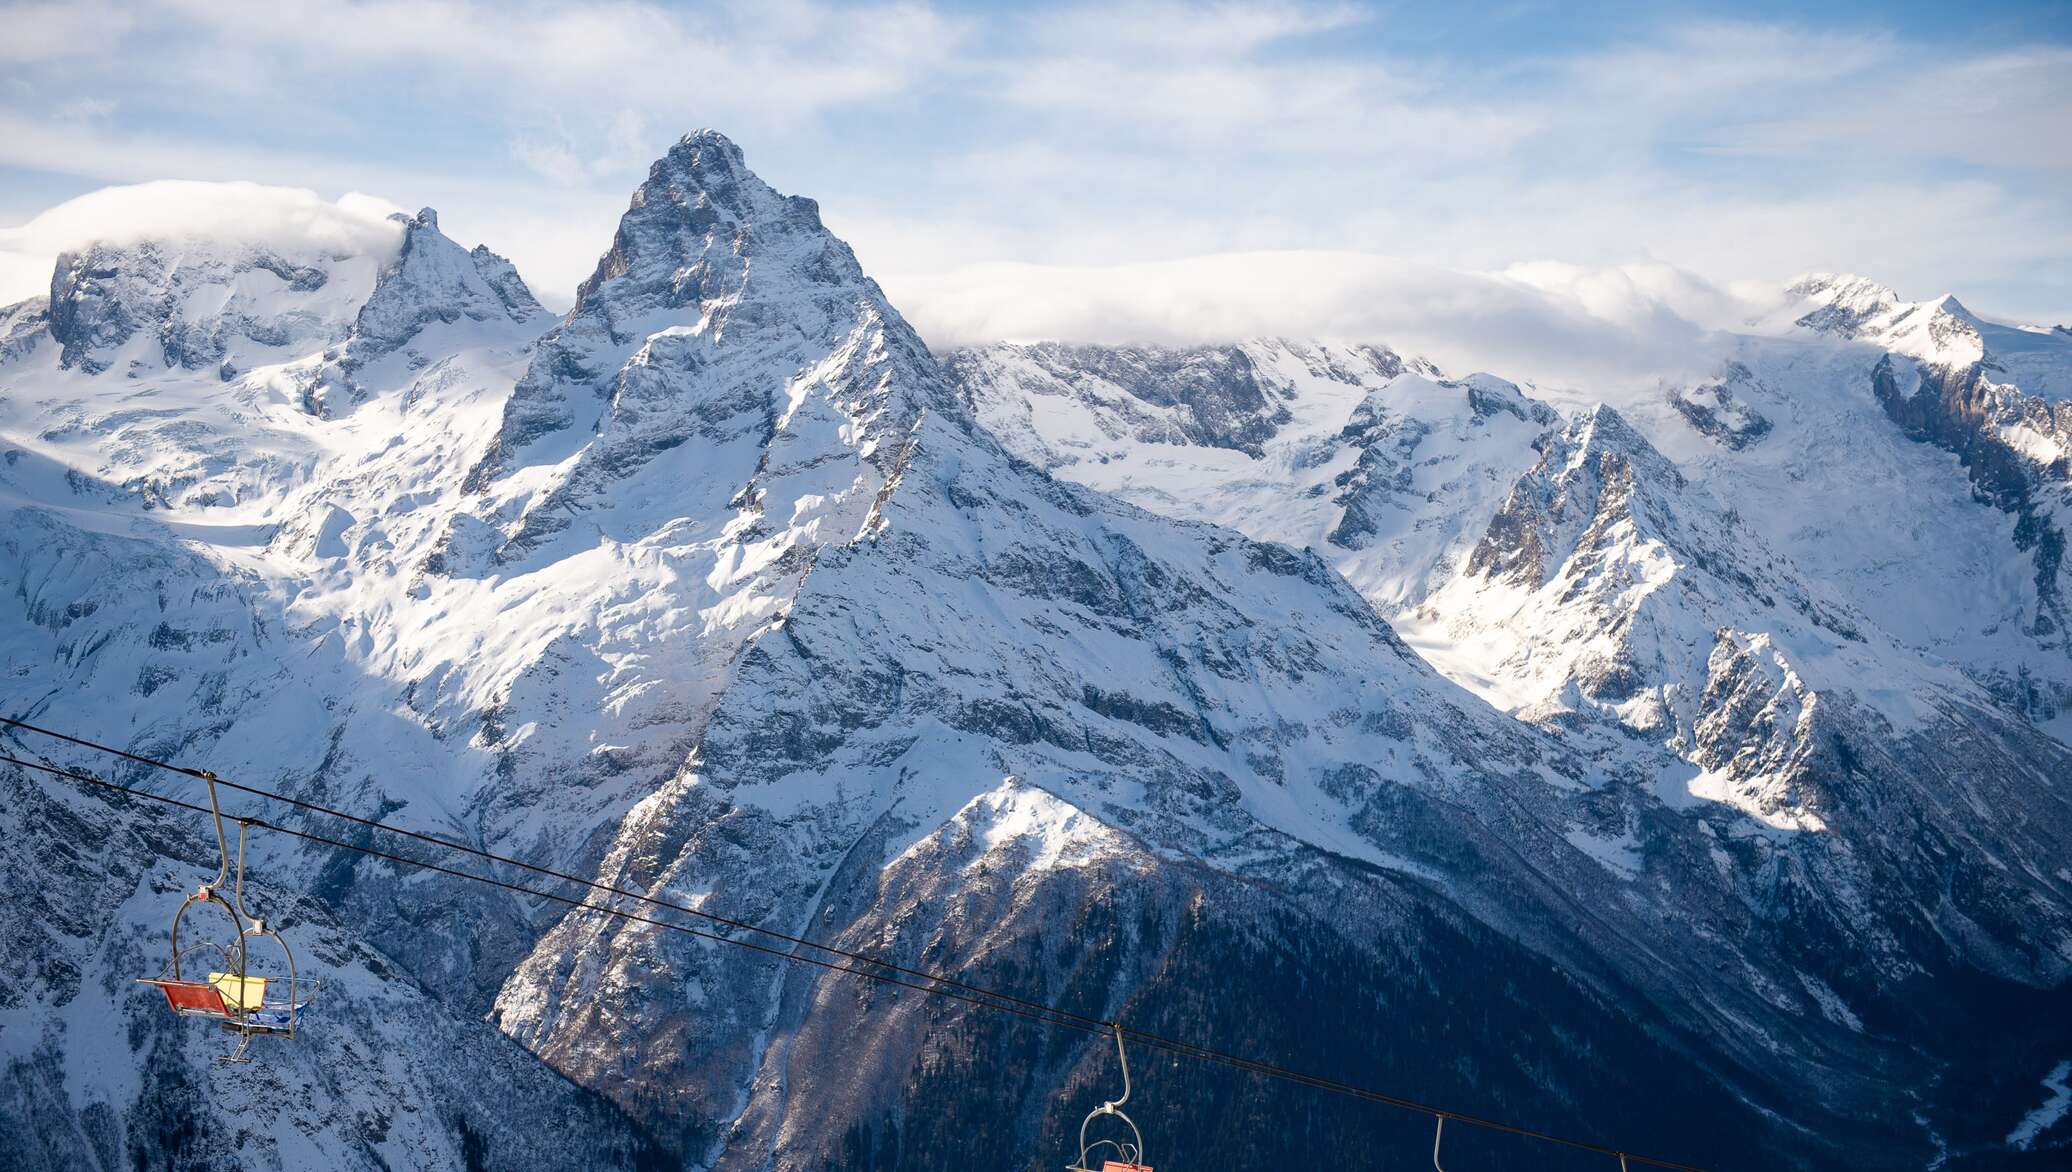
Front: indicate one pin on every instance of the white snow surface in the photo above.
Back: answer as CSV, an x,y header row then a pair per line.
x,y
364,532
2056,1103
1758,505
723,589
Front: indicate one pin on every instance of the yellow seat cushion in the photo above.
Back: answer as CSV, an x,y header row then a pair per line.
x,y
240,993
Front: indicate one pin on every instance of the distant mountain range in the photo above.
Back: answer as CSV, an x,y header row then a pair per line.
x,y
1688,770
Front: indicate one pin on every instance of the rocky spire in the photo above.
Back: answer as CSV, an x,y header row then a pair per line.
x,y
434,279
721,304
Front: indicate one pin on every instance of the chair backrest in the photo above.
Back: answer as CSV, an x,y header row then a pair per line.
x,y
192,997
240,993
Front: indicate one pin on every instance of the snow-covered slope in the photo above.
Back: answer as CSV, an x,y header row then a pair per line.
x,y
1940,332
201,458
1933,444
1784,593
908,628
1344,448
1556,566
721,587
96,1076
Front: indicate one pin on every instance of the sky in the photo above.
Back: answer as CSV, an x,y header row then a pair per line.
x,y
1126,170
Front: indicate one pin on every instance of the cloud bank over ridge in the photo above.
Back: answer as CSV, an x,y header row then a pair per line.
x,y
289,221
1545,321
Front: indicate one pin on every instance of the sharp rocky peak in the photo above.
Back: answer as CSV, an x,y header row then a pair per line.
x,y
1841,303
1948,304
1602,431
800,619
723,310
1941,330
1597,473
433,279
697,224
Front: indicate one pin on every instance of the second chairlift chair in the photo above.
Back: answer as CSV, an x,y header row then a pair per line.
x,y
1131,1150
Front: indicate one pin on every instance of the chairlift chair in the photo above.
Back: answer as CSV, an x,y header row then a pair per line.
x,y
216,979
1130,1151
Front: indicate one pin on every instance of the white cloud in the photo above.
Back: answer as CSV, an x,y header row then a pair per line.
x,y
1211,72
1551,323
23,275
289,221
1168,27
41,32
782,58
1717,67
2000,109
555,150
1103,133
94,152
554,234
1639,296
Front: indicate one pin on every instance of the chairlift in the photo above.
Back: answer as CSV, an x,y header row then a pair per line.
x,y
216,979
1130,1152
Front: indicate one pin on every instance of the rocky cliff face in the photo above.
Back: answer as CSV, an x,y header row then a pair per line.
x,y
722,588
192,305
1710,571
434,280
1221,397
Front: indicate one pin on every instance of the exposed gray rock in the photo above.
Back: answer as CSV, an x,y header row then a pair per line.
x,y
106,295
1716,410
726,592
434,279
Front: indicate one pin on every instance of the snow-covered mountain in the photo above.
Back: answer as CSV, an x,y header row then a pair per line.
x,y
1071,670
1519,545
1833,601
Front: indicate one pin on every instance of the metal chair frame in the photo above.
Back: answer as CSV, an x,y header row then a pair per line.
x,y
1132,1153
247,1021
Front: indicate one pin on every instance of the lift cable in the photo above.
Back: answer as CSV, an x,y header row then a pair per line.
x,y
866,966
403,860
1092,1024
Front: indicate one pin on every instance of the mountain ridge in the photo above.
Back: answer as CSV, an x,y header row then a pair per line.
x,y
723,587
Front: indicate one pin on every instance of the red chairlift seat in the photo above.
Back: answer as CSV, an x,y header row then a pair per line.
x,y
190,998
184,994
240,997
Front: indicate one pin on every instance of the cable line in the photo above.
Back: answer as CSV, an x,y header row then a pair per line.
x,y
866,966
513,887
1091,1023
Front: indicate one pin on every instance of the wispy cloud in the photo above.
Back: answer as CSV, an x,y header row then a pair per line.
x,y
1996,110
1212,74
1564,324
51,31
1092,135
789,56
1180,30
555,149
